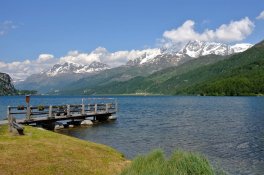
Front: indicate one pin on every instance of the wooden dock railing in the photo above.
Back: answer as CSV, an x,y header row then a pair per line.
x,y
44,113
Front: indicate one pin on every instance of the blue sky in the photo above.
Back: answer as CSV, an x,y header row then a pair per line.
x,y
30,28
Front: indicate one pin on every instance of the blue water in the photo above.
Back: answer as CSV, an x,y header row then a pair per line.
x,y
228,130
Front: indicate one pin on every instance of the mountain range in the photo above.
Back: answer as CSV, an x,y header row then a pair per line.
x,y
71,78
60,75
233,75
68,67
193,49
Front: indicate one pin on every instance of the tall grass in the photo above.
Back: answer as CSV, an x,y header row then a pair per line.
x,y
180,163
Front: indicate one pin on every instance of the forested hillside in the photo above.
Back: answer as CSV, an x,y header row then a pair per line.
x,y
140,84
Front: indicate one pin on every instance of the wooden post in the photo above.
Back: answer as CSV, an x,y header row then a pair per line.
x,y
8,113
28,107
95,108
68,110
106,107
83,112
28,112
116,108
11,124
50,111
9,119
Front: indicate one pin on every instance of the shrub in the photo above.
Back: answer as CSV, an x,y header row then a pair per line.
x,y
41,108
20,107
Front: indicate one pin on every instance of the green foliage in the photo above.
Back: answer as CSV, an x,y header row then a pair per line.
x,y
20,107
41,108
180,163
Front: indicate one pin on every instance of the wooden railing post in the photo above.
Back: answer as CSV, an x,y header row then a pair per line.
x,y
107,107
95,108
9,119
8,113
83,112
116,107
50,111
28,112
11,124
68,110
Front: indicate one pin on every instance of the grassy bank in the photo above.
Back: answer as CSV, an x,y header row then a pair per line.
x,y
45,152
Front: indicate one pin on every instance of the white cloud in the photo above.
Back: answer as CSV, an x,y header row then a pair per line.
x,y
44,58
234,31
19,70
6,26
113,59
80,58
261,15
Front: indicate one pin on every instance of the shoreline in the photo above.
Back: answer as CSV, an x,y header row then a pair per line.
x,y
135,95
44,152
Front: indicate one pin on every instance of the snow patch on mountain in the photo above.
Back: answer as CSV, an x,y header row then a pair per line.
x,y
241,47
192,49
69,67
196,49
150,55
146,57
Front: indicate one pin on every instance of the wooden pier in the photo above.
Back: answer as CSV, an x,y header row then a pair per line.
x,y
43,115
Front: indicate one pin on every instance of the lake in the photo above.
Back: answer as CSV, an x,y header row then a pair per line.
x,y
228,130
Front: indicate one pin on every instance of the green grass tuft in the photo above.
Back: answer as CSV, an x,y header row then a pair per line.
x,y
180,163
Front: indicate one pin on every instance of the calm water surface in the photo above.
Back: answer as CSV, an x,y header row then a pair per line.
x,y
228,130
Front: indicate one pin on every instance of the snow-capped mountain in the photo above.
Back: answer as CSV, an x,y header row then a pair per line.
x,y
196,49
173,56
60,75
241,47
145,58
68,67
